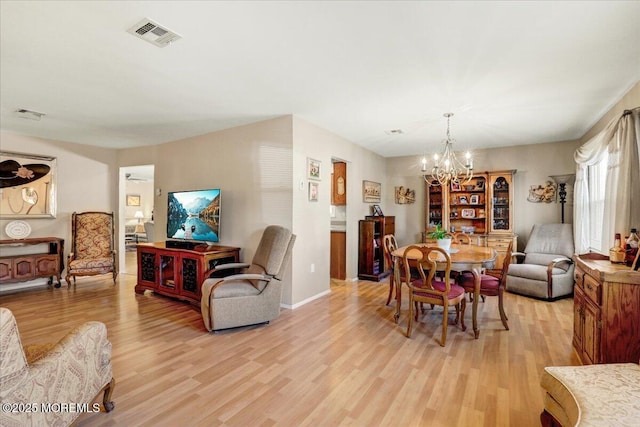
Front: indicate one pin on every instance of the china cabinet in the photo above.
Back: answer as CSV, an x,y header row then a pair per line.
x,y
482,207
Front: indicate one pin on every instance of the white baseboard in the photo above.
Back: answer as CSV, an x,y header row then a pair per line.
x,y
308,300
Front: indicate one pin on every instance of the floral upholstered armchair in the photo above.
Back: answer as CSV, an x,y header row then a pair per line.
x,y
37,379
92,245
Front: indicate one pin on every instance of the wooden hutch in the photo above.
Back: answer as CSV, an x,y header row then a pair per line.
x,y
482,207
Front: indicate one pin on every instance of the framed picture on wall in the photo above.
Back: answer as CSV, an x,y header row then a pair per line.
x,y
27,185
314,169
371,191
133,200
313,191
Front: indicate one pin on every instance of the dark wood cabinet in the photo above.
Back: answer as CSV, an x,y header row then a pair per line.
x,y
371,261
23,267
339,184
606,311
179,273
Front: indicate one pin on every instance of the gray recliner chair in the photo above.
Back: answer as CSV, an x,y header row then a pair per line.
x,y
251,297
547,270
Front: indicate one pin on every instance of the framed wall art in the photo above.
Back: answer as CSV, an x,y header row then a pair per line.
x,y
377,211
133,200
27,185
313,191
314,169
371,191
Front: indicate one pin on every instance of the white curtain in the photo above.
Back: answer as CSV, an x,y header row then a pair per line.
x,y
622,189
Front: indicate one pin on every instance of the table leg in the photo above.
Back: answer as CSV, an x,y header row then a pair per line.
x,y
398,283
476,297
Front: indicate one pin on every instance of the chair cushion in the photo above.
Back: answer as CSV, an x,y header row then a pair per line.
x,y
533,271
545,260
91,265
594,395
489,284
440,286
235,288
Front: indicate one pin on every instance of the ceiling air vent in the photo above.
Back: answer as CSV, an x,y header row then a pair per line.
x,y
154,33
29,114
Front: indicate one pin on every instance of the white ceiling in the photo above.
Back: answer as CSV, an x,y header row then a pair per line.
x,y
512,72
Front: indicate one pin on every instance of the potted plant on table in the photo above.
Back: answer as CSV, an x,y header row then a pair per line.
x,y
440,235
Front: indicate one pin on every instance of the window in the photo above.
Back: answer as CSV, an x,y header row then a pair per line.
x,y
597,176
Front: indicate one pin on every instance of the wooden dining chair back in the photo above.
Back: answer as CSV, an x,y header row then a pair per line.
x,y
459,238
430,289
389,245
492,283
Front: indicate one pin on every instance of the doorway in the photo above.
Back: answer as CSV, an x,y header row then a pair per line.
x,y
135,209
338,211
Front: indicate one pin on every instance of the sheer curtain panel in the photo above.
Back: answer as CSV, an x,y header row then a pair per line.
x,y
619,139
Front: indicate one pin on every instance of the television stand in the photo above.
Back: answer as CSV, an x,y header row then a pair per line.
x,y
181,244
178,272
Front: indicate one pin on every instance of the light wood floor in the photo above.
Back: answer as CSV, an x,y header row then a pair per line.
x,y
339,360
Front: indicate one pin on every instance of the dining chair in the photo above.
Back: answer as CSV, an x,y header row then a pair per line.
x,y
390,244
431,290
492,283
459,238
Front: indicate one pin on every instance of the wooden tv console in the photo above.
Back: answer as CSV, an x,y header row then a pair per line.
x,y
25,267
179,273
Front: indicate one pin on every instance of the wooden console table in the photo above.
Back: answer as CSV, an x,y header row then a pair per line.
x,y
22,268
179,273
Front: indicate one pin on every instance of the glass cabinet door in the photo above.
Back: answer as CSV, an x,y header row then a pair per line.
x,y
168,273
435,207
501,210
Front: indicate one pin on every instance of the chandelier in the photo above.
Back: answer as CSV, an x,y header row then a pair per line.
x,y
446,166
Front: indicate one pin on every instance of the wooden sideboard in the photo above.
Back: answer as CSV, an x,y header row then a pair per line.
x,y
179,273
30,266
606,311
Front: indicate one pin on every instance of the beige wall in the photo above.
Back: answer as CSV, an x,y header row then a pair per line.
x,y
260,168
534,163
86,180
630,100
311,220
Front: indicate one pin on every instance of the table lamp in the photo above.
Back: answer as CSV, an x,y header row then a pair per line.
x,y
139,225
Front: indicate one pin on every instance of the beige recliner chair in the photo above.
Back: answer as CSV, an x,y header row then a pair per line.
x,y
547,270
37,378
254,296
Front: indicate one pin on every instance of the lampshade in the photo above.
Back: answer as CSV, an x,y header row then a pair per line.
x,y
567,179
139,214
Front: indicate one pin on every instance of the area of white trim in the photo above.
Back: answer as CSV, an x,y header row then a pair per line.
x,y
308,300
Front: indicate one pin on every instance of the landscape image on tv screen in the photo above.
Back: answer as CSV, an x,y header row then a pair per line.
x,y
194,215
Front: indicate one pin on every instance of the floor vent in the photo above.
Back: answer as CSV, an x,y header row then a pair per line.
x,y
154,33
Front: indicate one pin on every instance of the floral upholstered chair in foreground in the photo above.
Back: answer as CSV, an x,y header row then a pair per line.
x,y
92,245
73,371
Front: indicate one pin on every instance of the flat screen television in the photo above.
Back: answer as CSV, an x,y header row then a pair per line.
x,y
194,215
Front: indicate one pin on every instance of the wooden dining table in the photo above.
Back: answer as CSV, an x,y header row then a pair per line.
x,y
463,258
